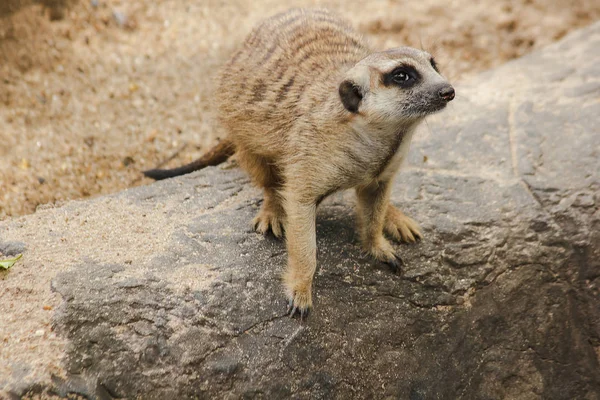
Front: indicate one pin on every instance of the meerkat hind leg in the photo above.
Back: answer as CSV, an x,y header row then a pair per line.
x,y
271,215
265,175
372,206
401,227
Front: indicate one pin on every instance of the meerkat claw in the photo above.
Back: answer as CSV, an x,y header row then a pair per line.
x,y
396,264
292,310
304,313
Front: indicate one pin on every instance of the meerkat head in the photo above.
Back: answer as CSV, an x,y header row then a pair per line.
x,y
396,85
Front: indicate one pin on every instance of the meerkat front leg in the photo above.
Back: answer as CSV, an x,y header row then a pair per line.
x,y
372,206
300,231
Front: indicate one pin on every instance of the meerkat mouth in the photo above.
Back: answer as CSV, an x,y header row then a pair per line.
x,y
431,108
438,107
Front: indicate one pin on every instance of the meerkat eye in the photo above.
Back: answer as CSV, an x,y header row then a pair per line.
x,y
404,76
434,65
401,77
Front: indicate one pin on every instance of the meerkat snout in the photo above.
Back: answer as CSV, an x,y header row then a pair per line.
x,y
447,93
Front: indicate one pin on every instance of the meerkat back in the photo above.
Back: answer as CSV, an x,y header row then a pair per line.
x,y
261,90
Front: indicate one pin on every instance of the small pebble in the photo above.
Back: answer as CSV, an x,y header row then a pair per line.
x,y
128,161
124,21
584,200
120,18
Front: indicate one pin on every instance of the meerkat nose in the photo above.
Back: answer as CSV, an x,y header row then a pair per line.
x,y
447,93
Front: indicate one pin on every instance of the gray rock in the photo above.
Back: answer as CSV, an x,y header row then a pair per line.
x,y
11,249
165,291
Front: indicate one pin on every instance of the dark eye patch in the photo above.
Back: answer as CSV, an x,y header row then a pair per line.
x,y
404,76
434,65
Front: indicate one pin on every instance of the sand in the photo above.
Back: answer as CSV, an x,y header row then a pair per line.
x,y
116,87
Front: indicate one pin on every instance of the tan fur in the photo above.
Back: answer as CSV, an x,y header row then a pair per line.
x,y
300,137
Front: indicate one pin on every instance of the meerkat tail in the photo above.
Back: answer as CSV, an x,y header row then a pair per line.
x,y
215,156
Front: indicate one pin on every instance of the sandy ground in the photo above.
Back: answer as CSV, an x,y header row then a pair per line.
x,y
117,87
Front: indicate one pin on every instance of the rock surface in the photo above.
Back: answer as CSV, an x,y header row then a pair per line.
x,y
164,291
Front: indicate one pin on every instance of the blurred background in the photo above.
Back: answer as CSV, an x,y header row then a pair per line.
x,y
94,91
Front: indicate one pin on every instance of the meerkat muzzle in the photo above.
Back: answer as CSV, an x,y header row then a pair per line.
x,y
447,93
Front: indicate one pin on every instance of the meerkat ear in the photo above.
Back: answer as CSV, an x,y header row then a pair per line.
x,y
351,95
354,87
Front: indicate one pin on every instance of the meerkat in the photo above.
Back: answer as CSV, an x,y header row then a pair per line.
x,y
311,110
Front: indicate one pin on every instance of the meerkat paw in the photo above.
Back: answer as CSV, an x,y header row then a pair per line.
x,y
300,304
400,227
266,221
299,295
383,251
